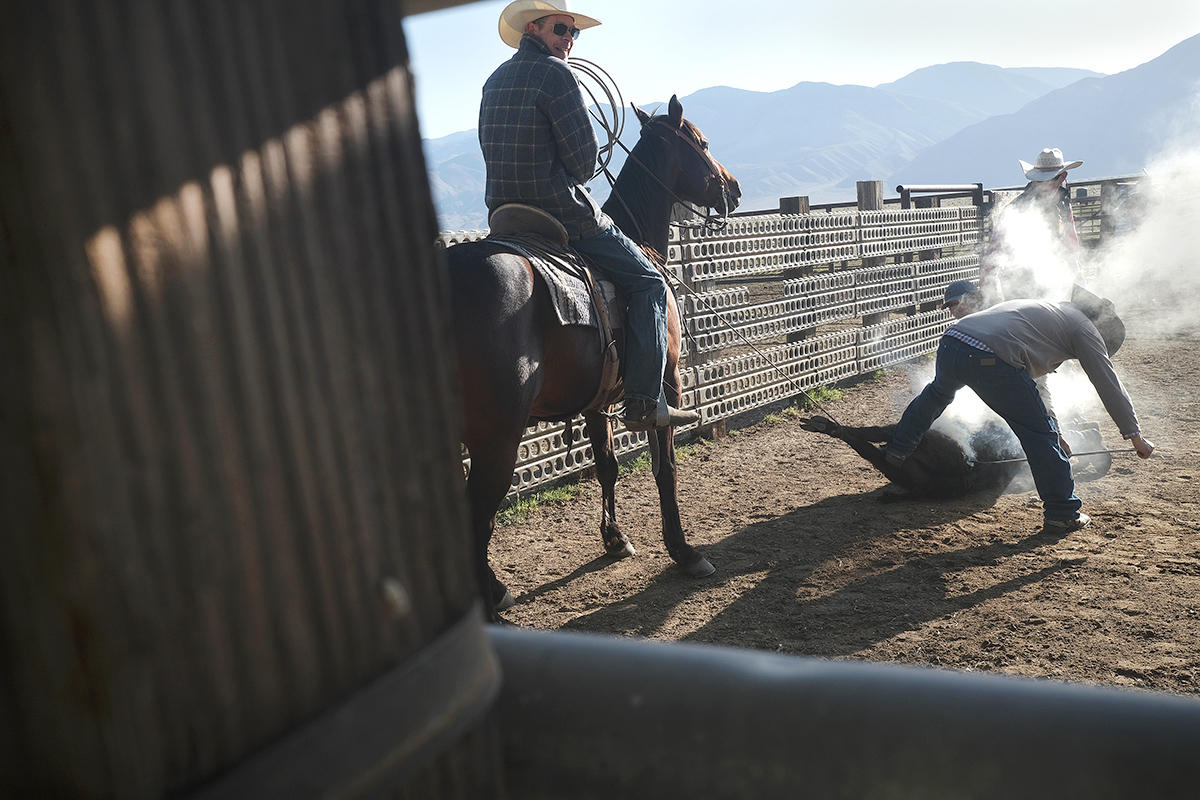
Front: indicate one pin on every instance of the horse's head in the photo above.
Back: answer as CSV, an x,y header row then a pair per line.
x,y
683,162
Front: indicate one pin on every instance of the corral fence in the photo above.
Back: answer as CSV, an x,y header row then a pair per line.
x,y
810,295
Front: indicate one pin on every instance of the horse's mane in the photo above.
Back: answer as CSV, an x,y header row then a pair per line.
x,y
692,129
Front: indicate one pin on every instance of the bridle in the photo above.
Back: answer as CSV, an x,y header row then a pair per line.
x,y
713,221
613,123
711,224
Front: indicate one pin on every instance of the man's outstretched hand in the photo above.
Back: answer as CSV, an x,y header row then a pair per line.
x,y
1144,447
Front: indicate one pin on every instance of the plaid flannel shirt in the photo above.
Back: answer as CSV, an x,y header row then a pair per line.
x,y
537,140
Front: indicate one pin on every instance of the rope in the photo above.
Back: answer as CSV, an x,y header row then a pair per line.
x,y
761,354
1073,455
611,122
614,129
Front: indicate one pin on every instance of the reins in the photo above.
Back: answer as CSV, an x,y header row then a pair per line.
x,y
612,122
696,295
714,222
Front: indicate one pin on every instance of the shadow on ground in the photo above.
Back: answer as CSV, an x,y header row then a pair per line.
x,y
875,581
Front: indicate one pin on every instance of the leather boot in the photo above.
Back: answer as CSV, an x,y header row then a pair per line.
x,y
642,415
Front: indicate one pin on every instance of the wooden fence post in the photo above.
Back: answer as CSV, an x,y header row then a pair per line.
x,y
870,198
870,195
1108,205
794,205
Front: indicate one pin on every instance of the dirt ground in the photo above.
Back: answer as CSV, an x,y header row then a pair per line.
x,y
808,562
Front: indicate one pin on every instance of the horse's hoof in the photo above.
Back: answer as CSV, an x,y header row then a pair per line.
x,y
508,601
621,550
700,568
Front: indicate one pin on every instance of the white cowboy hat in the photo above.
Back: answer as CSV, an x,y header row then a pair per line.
x,y
519,12
1048,164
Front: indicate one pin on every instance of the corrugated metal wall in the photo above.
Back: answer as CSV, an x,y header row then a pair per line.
x,y
231,489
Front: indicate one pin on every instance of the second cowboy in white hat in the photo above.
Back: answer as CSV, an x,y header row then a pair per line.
x,y
540,150
1049,165
1047,195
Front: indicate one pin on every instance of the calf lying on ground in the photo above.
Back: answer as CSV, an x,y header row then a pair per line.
x,y
943,467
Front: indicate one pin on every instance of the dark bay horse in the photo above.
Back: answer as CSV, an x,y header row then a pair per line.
x,y
517,364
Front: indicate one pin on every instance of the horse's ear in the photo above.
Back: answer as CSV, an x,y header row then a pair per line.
x,y
642,116
675,111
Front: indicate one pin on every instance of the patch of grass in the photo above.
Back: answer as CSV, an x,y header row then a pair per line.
x,y
520,508
687,451
638,464
786,414
682,453
820,396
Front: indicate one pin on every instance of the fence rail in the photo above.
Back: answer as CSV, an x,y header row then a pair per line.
x,y
785,300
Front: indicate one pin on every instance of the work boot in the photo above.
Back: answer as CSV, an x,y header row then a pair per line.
x,y
1068,525
642,415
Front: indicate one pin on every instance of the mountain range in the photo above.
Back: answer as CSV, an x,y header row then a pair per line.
x,y
961,122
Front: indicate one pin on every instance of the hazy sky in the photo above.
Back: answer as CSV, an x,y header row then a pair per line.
x,y
654,49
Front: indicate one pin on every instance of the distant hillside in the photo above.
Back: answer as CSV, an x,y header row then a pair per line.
x,y
1006,89
1055,77
1116,124
812,139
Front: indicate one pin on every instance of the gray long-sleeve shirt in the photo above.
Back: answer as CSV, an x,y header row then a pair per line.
x,y
1039,336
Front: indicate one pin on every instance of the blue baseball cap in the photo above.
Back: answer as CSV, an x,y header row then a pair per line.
x,y
957,290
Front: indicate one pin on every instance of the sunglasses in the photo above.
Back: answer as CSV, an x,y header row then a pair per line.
x,y
561,28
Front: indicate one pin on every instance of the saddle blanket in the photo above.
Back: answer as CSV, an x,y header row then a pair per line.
x,y
560,271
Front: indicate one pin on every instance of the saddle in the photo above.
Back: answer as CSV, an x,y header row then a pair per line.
x,y
537,236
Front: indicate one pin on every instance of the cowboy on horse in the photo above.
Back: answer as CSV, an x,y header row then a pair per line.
x,y
540,150
529,346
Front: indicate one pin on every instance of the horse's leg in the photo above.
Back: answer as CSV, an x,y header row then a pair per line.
x,y
499,355
599,430
492,463
681,552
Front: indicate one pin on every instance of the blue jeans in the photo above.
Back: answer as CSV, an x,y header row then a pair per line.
x,y
1012,394
646,291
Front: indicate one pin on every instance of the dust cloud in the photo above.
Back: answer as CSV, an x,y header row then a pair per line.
x,y
1148,264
